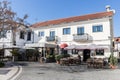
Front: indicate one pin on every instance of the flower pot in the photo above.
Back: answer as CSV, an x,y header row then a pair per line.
x,y
113,66
58,62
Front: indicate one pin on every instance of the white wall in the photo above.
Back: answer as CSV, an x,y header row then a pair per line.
x,y
22,42
7,41
99,38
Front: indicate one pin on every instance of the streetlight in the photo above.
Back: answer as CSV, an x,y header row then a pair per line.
x,y
57,46
111,44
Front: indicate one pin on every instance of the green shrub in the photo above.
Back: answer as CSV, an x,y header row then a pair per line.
x,y
15,52
65,55
50,58
58,57
113,60
2,64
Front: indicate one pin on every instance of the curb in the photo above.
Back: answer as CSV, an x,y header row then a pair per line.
x,y
16,74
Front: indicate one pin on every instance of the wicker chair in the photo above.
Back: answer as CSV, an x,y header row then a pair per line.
x,y
100,63
89,63
64,61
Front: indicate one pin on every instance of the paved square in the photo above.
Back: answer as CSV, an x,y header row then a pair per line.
x,y
53,71
4,71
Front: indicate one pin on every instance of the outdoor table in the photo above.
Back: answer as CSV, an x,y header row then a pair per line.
x,y
90,62
100,63
70,61
95,63
64,61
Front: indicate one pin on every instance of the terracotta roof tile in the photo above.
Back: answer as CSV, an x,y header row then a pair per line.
x,y
74,19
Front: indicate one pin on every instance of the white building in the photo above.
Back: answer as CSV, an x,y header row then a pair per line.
x,y
87,35
21,38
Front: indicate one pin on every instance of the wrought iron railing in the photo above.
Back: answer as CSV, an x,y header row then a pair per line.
x,y
50,38
81,37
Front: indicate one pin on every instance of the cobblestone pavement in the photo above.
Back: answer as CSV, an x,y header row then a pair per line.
x,y
53,71
4,71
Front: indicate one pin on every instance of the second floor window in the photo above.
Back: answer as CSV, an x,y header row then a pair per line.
x,y
66,31
52,33
80,30
3,34
29,36
22,34
41,34
98,28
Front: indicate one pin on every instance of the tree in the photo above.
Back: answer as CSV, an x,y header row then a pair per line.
x,y
10,21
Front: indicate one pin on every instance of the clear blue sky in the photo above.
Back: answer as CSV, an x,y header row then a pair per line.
x,y
43,10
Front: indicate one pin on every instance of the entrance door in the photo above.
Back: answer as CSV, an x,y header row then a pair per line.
x,y
86,54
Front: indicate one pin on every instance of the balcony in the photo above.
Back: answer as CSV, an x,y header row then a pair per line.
x,y
50,38
82,37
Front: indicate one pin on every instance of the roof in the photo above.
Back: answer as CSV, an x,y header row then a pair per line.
x,y
74,19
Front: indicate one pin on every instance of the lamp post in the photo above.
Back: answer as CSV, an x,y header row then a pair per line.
x,y
57,46
111,44
111,37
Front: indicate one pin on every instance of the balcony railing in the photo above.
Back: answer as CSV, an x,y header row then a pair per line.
x,y
81,37
50,38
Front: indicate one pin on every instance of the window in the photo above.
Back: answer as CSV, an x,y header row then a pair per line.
x,y
74,51
66,31
29,36
41,34
21,34
52,33
99,51
80,30
3,34
98,28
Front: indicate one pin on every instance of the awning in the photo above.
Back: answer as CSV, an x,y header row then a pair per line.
x,y
39,45
94,46
11,47
82,47
63,45
70,47
78,47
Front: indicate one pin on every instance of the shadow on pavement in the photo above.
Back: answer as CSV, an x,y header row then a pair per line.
x,y
71,69
59,68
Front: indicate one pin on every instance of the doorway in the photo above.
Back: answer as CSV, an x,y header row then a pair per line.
x,y
86,54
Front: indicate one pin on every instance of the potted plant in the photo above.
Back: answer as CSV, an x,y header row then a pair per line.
x,y
113,61
58,57
2,64
15,54
50,58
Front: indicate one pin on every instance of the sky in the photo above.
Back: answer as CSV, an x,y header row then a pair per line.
x,y
44,10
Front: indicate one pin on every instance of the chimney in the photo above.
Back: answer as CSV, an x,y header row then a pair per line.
x,y
108,8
